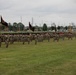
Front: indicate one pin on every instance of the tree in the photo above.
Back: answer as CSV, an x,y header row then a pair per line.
x,y
58,28
44,27
15,26
53,27
65,27
20,26
10,27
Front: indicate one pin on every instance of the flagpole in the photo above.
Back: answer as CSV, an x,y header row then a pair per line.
x,y
0,18
32,20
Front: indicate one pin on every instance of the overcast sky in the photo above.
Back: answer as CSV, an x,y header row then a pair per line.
x,y
62,12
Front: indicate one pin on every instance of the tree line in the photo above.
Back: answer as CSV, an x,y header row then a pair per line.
x,y
21,27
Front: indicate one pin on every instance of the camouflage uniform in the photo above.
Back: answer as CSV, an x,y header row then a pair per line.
x,y
36,39
23,39
40,37
69,36
28,39
56,37
47,35
7,41
11,39
61,35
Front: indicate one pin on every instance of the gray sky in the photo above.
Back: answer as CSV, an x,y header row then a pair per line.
x,y
62,12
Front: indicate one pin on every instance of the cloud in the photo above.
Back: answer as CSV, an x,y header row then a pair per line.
x,y
5,4
66,7
47,10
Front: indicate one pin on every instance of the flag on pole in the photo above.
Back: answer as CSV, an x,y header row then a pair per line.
x,y
31,27
3,22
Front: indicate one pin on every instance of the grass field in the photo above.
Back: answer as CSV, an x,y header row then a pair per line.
x,y
45,58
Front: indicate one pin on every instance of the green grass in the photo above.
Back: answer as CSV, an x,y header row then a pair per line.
x,y
45,58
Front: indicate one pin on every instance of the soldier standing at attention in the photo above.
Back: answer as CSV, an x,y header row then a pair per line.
x,y
7,40
35,36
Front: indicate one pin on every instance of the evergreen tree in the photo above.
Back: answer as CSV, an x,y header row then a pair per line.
x,y
44,27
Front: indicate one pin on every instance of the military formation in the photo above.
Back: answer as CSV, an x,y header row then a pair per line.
x,y
40,37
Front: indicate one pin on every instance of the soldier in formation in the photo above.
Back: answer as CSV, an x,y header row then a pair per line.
x,y
56,37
